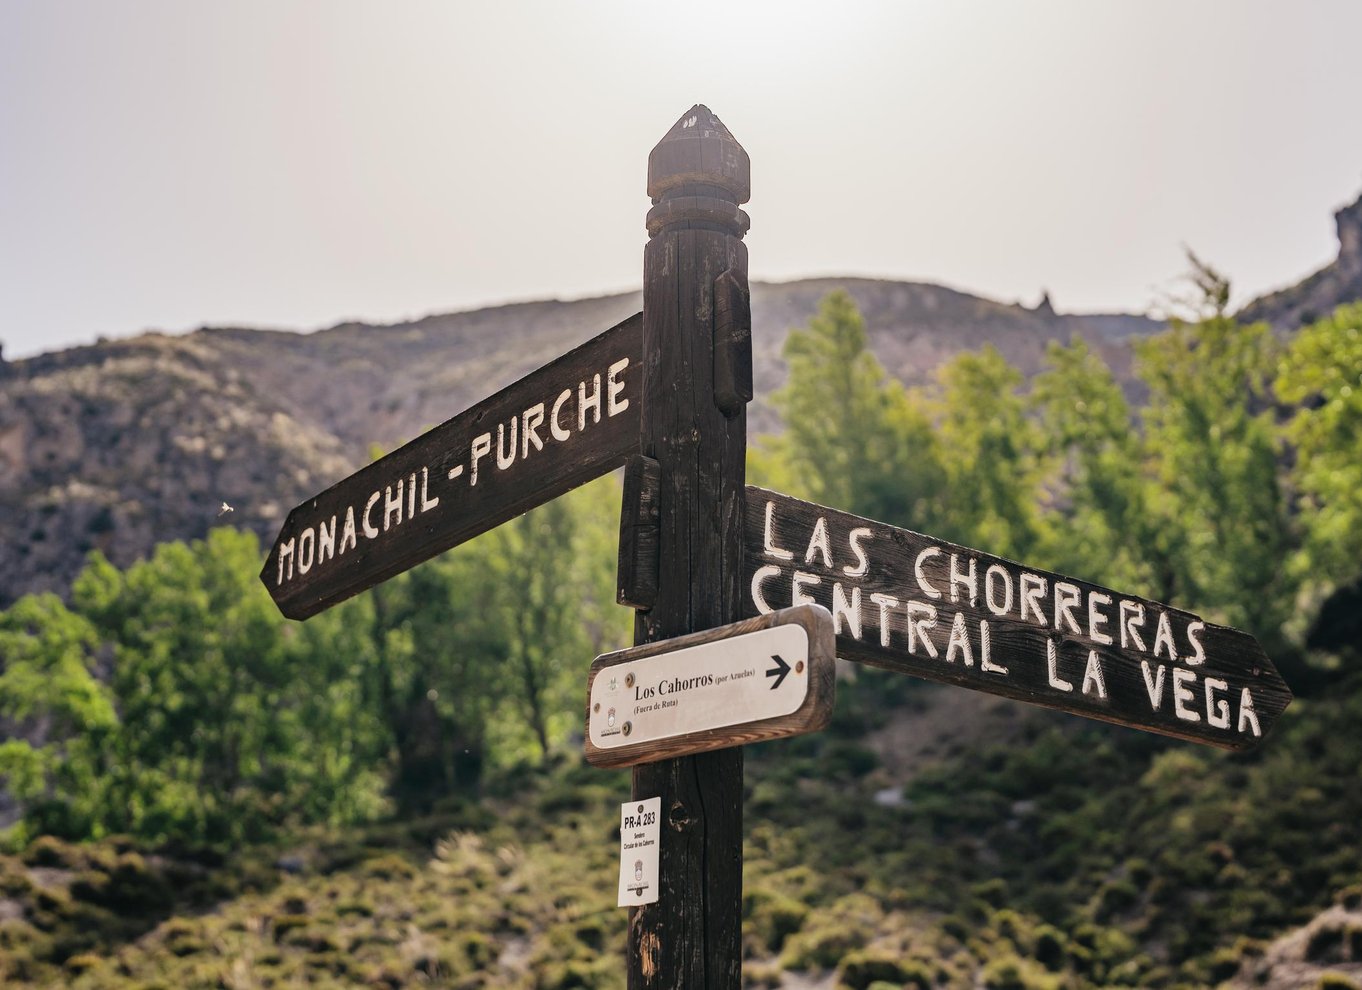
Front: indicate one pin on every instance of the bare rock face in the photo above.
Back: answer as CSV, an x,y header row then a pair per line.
x,y
123,445
1327,952
1319,294
1349,221
120,446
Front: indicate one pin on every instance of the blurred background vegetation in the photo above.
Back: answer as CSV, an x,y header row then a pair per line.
x,y
392,793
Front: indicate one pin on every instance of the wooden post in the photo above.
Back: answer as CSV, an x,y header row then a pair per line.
x,y
694,269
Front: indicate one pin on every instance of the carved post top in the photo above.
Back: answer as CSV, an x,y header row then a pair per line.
x,y
697,175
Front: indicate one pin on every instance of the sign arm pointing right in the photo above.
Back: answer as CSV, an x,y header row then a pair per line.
x,y
914,604
778,671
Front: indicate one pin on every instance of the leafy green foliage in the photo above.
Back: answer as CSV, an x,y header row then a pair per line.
x,y
1221,522
1095,471
854,438
1321,374
216,721
393,801
990,448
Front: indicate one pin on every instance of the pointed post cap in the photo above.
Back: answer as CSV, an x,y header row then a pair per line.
x,y
699,150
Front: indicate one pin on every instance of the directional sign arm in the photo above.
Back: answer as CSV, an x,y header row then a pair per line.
x,y
914,604
558,427
701,692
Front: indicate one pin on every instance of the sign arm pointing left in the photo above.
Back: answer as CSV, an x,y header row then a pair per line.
x,y
560,426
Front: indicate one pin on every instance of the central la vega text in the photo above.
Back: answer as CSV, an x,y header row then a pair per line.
x,y
919,618
557,419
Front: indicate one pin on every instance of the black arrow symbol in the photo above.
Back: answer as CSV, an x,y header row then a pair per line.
x,y
778,671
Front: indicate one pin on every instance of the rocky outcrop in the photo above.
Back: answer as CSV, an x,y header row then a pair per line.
x,y
1326,953
124,444
1319,294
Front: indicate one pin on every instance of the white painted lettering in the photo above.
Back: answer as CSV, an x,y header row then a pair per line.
x,y
1066,597
1164,636
1183,694
585,402
1052,666
482,446
505,454
307,549
959,641
986,663
1033,588
392,507
770,548
1096,620
997,571
1132,615
370,530
965,580
285,554
348,538
531,420
1153,684
1198,656
326,540
927,589
885,602
854,538
559,433
411,496
1248,715
1217,709
614,405
921,617
427,503
1093,676
798,596
763,575
819,541
842,609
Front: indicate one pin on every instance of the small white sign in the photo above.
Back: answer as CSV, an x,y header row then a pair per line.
x,y
758,675
640,833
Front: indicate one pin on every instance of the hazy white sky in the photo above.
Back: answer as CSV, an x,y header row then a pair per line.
x,y
167,164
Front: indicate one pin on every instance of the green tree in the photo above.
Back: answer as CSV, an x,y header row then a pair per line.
x,y
991,453
432,671
224,731
58,712
480,655
1095,481
557,605
1321,374
854,439
1221,527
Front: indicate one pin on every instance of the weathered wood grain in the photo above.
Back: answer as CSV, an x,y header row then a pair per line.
x,y
636,574
812,715
907,602
732,343
697,176
558,427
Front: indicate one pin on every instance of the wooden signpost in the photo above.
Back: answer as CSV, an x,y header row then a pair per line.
x,y
666,392
762,678
911,603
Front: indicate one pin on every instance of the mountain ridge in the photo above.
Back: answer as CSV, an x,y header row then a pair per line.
x,y
122,444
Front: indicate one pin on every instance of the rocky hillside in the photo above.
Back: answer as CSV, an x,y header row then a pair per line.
x,y
1316,295
123,444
